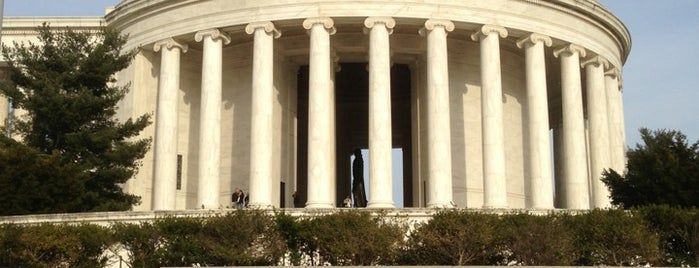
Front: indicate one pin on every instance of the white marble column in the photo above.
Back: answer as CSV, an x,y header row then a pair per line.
x,y
210,114
575,177
559,200
540,181
165,147
262,123
598,128
320,116
615,115
380,143
334,69
439,192
4,111
494,181
620,107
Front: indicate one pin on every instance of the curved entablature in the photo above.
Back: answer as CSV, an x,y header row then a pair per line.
x,y
586,23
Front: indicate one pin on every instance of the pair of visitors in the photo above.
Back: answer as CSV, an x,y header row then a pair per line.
x,y
238,198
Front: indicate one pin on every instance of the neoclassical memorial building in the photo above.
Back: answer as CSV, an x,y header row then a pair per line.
x,y
494,104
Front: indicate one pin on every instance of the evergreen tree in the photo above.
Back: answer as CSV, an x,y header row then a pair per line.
x,y
665,170
65,84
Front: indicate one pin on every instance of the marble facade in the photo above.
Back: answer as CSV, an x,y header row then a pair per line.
x,y
495,104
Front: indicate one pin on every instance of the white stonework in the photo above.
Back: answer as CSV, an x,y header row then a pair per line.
x,y
470,90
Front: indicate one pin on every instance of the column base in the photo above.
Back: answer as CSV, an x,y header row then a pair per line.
x,y
380,204
441,205
496,207
261,206
318,205
541,208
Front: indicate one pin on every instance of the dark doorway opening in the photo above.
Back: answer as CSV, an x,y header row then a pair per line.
x,y
352,120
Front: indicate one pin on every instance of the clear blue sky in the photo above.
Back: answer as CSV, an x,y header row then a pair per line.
x,y
661,77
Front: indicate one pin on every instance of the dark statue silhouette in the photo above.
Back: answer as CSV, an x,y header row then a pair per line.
x,y
358,181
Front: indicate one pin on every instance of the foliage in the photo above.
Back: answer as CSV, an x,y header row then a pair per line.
x,y
536,240
240,238
351,238
290,229
181,245
665,170
243,238
612,237
141,242
48,245
359,238
454,237
28,181
678,231
66,86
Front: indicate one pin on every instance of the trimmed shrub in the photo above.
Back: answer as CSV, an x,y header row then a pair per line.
x,y
612,237
535,240
350,238
181,242
677,231
454,237
48,245
243,238
290,229
141,242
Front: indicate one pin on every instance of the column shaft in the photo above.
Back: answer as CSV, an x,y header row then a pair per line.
x,y
619,101
4,112
575,156
439,192
380,143
165,147
494,182
262,123
558,156
320,177
334,68
615,112
598,127
210,114
540,184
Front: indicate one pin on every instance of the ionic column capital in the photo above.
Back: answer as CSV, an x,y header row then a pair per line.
x,y
570,49
612,72
267,26
327,23
389,22
169,43
595,61
534,38
489,29
214,34
431,24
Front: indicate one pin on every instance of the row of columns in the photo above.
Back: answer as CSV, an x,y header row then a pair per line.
x,y
604,102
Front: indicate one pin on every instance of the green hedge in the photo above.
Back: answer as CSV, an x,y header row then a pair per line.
x,y
657,236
